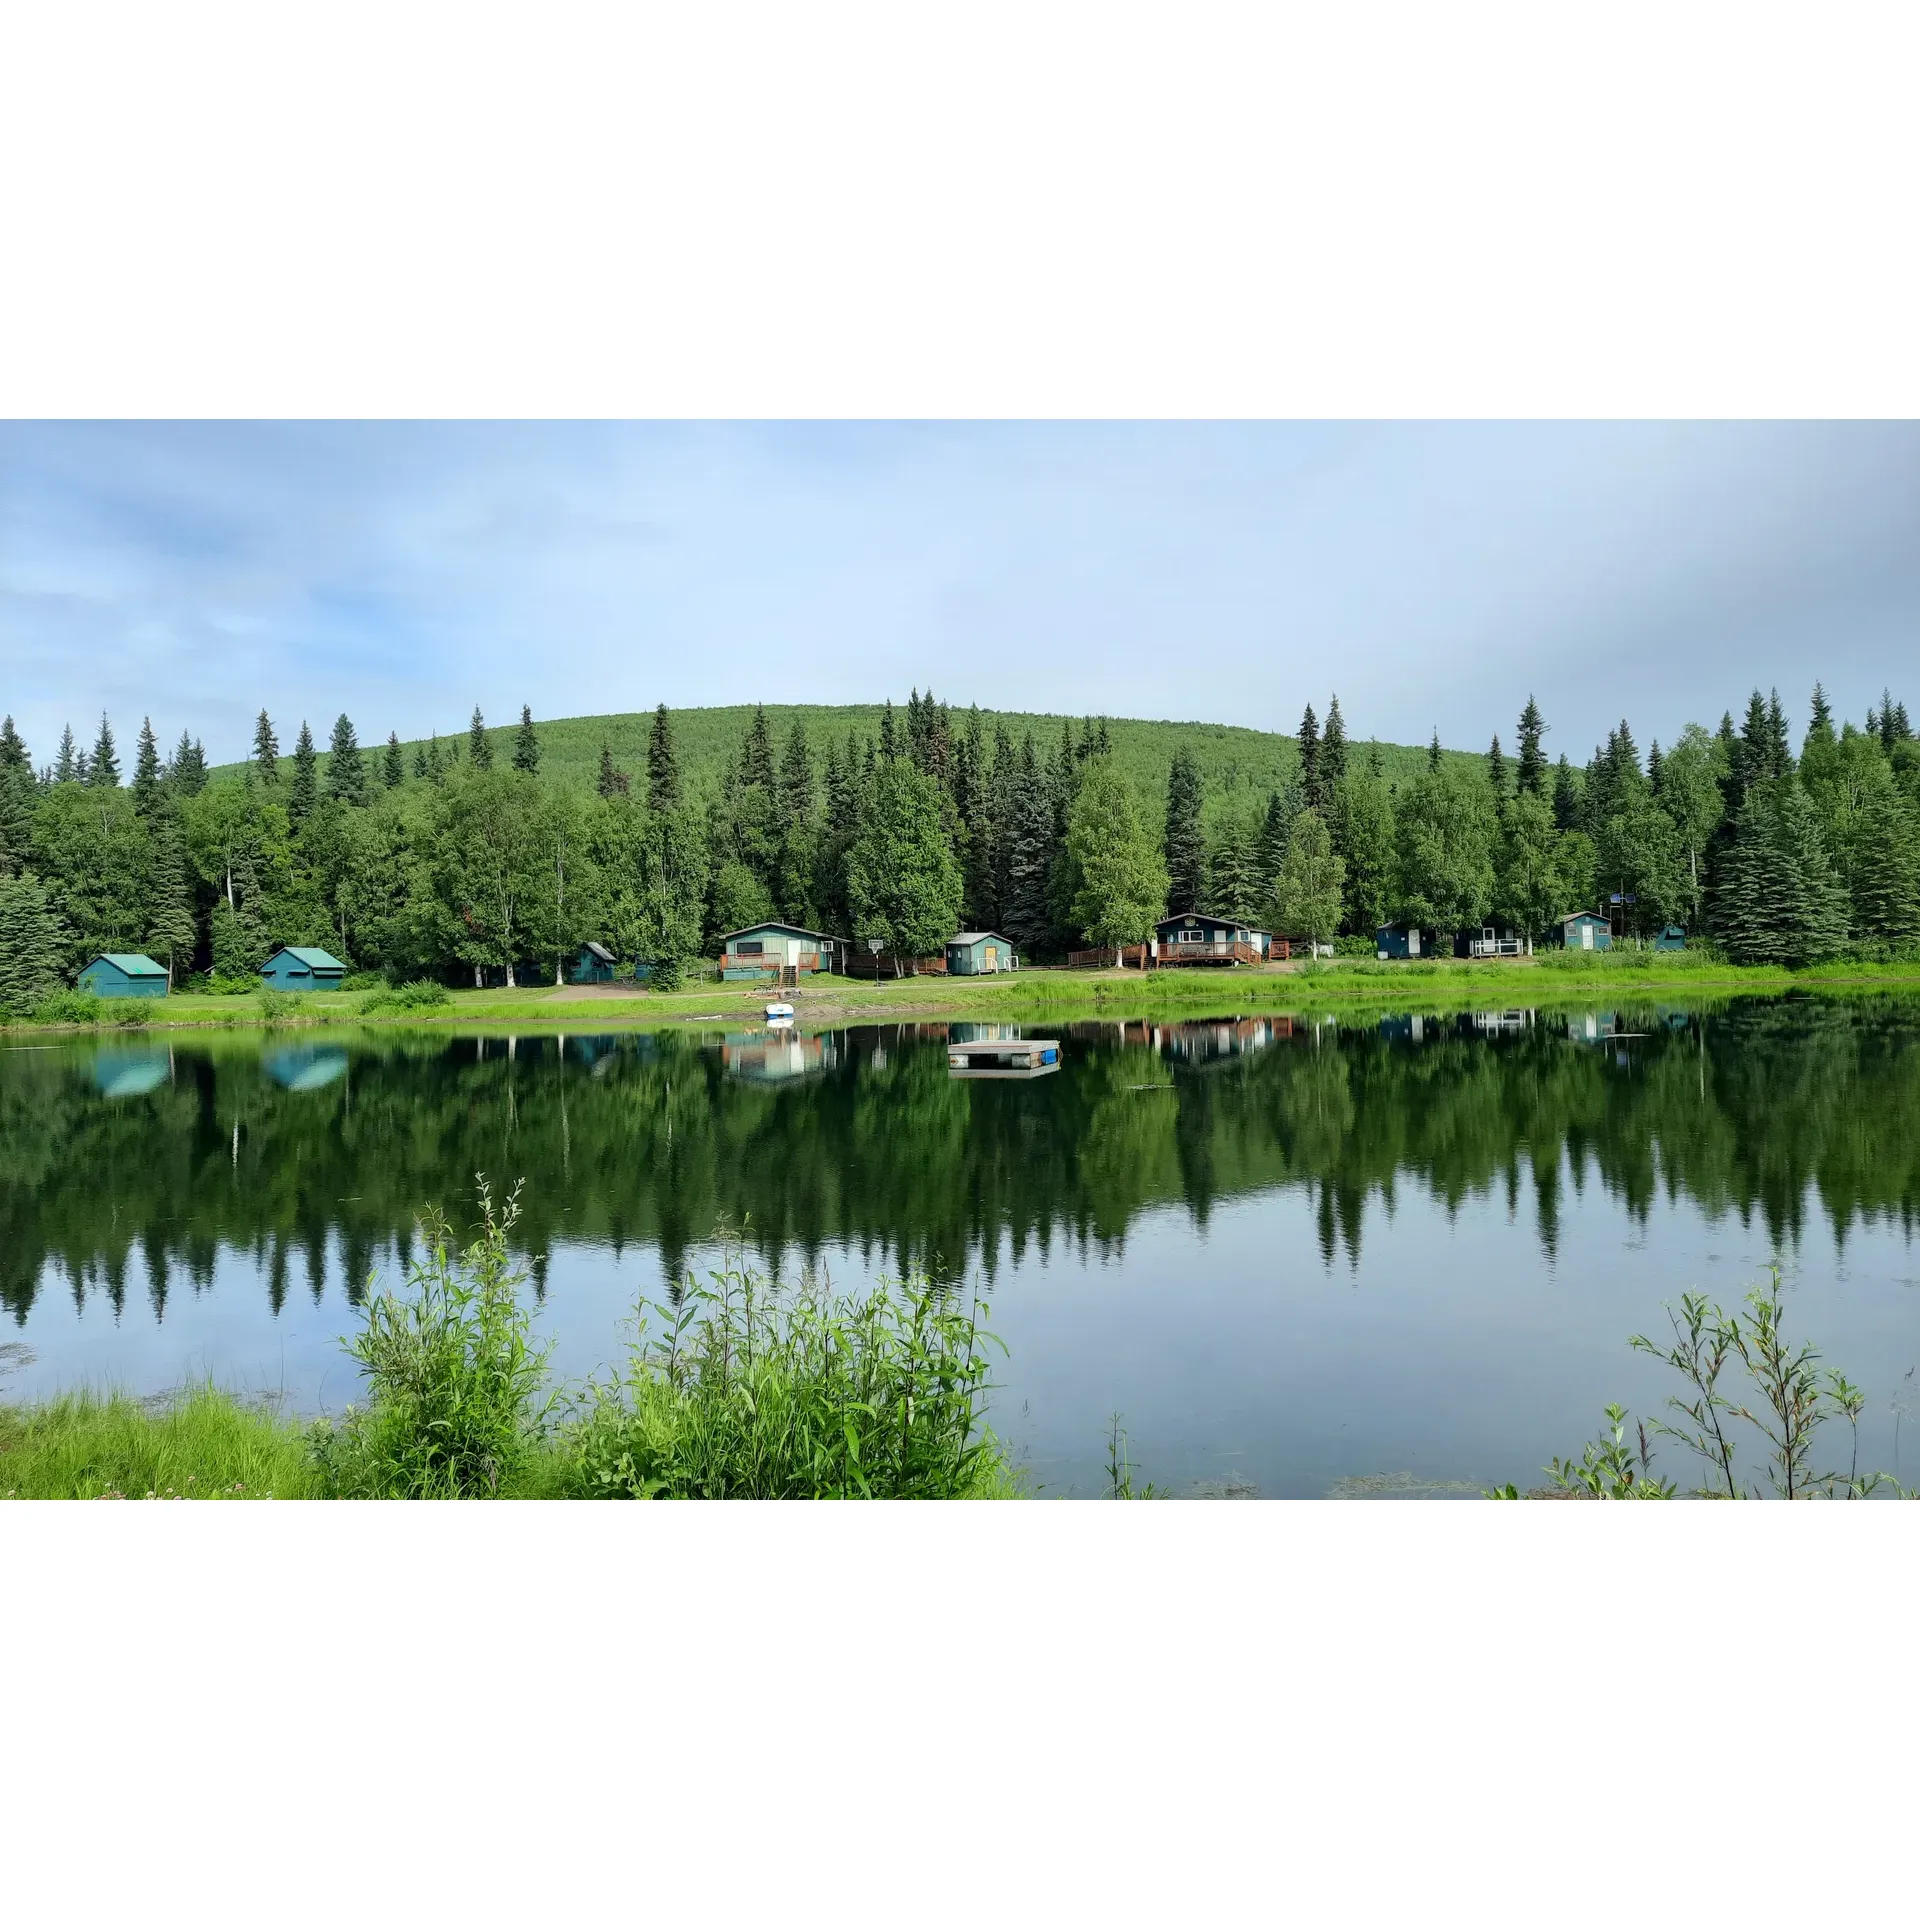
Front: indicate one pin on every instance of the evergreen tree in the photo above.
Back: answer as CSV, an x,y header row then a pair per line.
x,y
1566,797
1234,890
419,761
187,769
1433,752
437,762
1026,914
346,770
393,766
1309,739
1532,767
612,783
1497,774
1184,843
889,740
903,883
266,751
526,744
103,766
305,791
1333,749
1886,870
663,763
18,790
1779,743
1363,837
146,770
1777,899
1820,727
1270,851
32,941
13,750
479,747
66,766
756,753
799,808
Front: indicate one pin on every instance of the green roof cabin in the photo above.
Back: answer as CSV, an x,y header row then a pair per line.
x,y
124,976
980,953
1587,931
772,948
303,969
593,965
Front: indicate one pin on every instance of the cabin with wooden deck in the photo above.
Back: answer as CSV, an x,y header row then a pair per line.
x,y
772,950
1206,940
124,976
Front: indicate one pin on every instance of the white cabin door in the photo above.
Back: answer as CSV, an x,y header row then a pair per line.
x,y
1586,933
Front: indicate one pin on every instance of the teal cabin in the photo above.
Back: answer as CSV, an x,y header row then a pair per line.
x,y
766,951
1671,940
124,976
980,953
1587,931
593,965
303,969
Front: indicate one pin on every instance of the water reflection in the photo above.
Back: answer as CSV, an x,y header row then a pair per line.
x,y
1763,1111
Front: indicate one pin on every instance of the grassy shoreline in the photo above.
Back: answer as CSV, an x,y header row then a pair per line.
x,y
1035,994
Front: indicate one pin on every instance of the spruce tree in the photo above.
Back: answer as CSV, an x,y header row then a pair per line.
x,y
526,744
13,750
266,751
1777,900
1333,750
889,740
1566,797
1433,752
1497,774
146,770
1283,805
437,762
1532,765
479,747
1886,870
169,900
756,753
1184,842
346,770
187,768
1309,740
1779,742
103,768
32,939
305,790
419,761
612,782
1027,915
66,765
1820,727
393,766
1233,875
663,763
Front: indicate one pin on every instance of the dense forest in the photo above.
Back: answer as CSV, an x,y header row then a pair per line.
x,y
472,859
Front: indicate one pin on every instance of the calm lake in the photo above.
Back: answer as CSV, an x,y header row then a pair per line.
x,y
1297,1257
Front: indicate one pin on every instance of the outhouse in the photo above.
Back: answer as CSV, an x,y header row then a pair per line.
x,y
1404,943
593,965
980,953
124,976
303,969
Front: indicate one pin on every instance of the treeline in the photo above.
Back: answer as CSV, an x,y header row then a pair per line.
x,y
444,861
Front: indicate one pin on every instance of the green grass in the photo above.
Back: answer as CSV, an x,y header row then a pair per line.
x,y
1041,993
198,1445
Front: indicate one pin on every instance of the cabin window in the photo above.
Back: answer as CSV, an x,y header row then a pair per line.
x,y
751,946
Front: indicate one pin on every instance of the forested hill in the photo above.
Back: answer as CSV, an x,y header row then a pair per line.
x,y
1234,762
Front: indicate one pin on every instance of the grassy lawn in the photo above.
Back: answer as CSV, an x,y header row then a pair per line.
x,y
1046,993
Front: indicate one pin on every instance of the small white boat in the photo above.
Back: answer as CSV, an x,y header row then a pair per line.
x,y
779,1010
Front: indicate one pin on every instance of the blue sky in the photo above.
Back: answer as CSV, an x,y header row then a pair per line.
x,y
1431,574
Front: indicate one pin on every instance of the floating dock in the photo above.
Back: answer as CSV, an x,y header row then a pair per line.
x,y
1014,1058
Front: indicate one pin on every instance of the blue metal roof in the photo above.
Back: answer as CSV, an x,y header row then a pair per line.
x,y
136,966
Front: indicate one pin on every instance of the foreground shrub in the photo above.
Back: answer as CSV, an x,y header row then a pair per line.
x,y
758,1393
452,1376
200,1445
1792,1398
68,1008
415,994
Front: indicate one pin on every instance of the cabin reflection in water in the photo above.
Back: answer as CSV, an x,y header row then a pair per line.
x,y
1201,1043
118,1075
303,1069
777,1056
